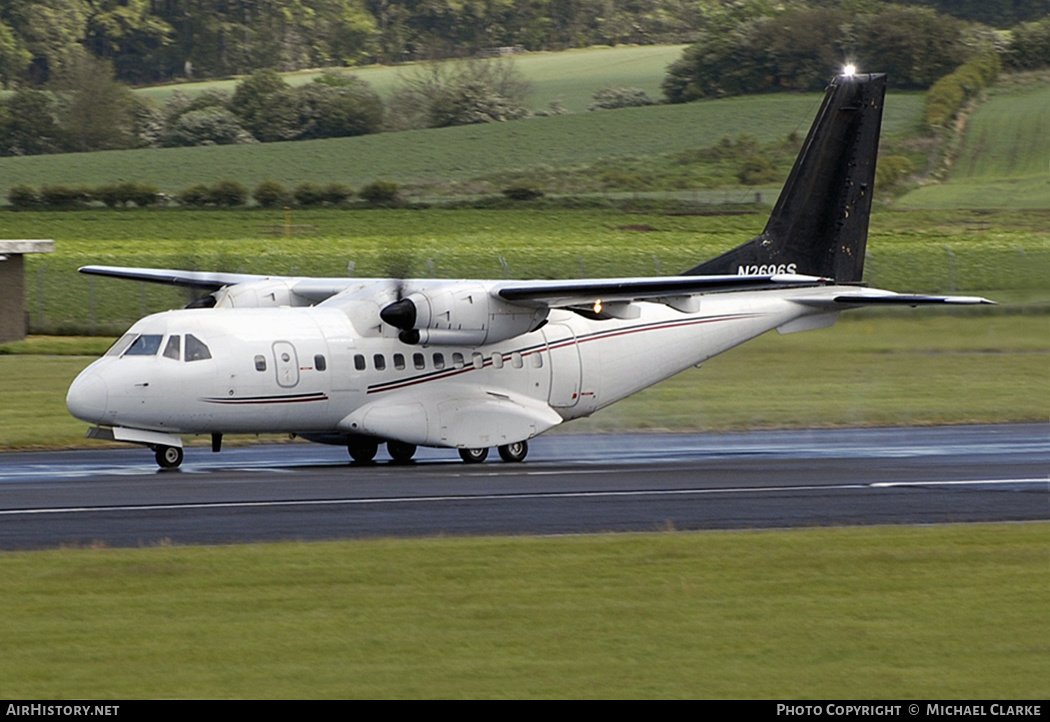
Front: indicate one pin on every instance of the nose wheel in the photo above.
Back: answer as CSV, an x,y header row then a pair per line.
x,y
168,457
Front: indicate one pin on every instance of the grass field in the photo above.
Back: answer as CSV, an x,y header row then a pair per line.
x,y
571,76
915,251
923,613
1004,161
876,613
447,156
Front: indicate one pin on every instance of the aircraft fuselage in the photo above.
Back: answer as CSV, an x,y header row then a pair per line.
x,y
308,370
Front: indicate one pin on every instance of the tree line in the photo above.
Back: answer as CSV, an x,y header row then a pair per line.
x,y
150,41
801,48
84,107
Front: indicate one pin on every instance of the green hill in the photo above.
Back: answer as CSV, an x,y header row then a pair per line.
x,y
570,77
452,154
1004,159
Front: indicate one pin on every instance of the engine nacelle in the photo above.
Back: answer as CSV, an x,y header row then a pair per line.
x,y
460,315
259,294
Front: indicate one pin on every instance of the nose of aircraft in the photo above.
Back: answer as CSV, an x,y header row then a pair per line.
x,y
87,397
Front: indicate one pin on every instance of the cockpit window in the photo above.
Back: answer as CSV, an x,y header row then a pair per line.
x,y
122,343
174,348
145,345
196,350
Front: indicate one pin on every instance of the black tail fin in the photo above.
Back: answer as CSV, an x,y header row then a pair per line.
x,y
819,226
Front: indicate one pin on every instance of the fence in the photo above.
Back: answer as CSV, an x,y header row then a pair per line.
x,y
61,301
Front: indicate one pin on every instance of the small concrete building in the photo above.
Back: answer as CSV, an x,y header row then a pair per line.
x,y
13,322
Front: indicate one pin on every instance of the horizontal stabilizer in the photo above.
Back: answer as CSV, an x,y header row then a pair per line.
x,y
905,299
878,297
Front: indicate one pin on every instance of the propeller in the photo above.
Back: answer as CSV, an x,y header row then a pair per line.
x,y
401,314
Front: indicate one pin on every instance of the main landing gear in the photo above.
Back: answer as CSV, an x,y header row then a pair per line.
x,y
400,452
168,457
363,450
508,452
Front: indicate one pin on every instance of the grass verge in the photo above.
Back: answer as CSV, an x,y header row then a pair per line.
x,y
863,613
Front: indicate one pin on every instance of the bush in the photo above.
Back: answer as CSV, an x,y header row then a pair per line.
x,y
948,94
265,106
309,194
1029,46
335,106
121,194
381,193
110,195
144,195
611,98
270,194
23,196
208,126
228,193
891,170
523,193
756,170
444,94
60,196
337,193
196,196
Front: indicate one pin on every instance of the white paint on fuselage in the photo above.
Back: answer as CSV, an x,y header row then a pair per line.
x,y
573,364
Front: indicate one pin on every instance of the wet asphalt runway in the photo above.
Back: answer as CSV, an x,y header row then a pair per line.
x,y
570,484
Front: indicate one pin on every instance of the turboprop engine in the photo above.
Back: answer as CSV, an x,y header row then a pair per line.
x,y
269,293
461,315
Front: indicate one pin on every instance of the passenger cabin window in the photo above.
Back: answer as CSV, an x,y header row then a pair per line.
x,y
122,343
174,348
457,360
419,361
399,361
479,361
380,361
359,362
196,350
537,360
260,363
148,344
515,360
497,360
439,361
319,363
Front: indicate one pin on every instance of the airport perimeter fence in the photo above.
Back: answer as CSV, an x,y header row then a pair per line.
x,y
61,301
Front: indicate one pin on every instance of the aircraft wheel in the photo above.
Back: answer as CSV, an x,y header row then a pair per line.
x,y
400,452
473,456
168,457
362,450
514,452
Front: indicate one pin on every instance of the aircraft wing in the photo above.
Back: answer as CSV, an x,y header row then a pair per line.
x,y
561,294
204,280
314,289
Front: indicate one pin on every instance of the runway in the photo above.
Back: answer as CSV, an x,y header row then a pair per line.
x,y
570,484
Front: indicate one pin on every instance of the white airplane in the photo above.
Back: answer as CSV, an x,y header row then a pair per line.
x,y
473,364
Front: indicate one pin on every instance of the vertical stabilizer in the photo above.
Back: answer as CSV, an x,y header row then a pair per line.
x,y
819,226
